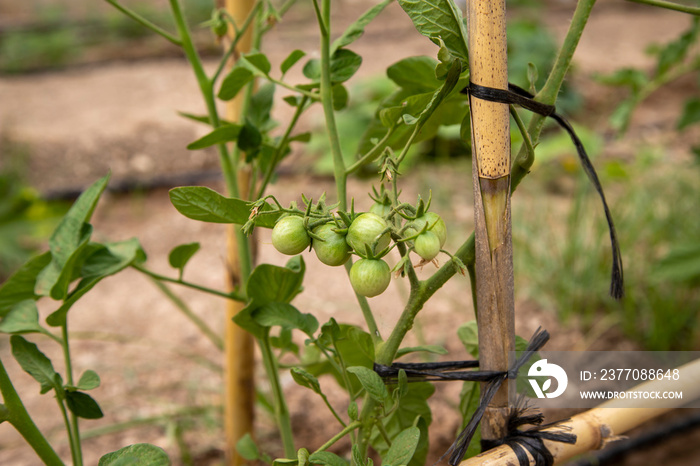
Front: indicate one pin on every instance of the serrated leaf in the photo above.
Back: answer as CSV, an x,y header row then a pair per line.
x,y
439,18
220,135
247,448
327,458
180,255
291,60
22,318
20,285
305,379
402,447
234,82
140,454
83,405
286,316
35,363
89,380
206,205
356,29
371,382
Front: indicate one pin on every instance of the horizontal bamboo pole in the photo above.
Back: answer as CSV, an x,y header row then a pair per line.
x,y
597,427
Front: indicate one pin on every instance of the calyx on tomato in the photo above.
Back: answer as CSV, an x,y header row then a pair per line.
x,y
367,229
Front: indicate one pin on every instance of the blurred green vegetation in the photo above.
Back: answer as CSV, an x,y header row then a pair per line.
x,y
562,249
57,38
26,220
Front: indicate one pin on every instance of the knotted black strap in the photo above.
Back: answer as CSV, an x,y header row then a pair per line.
x,y
518,96
530,440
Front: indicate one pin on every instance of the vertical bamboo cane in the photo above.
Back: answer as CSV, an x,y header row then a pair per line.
x,y
239,345
491,172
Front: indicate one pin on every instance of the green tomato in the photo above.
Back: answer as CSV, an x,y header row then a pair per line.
x,y
435,224
289,235
370,277
365,229
427,245
380,209
333,250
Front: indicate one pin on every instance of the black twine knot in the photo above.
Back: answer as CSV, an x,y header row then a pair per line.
x,y
531,440
518,96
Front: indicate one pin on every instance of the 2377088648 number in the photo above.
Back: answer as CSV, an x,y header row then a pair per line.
x,y
639,374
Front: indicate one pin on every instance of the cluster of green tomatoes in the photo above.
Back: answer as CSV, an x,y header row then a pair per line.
x,y
367,234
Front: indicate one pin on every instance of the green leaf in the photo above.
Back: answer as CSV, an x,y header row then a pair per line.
x,y
344,64
691,113
23,318
339,95
68,242
439,18
249,138
416,74
305,379
206,205
89,380
291,60
234,82
286,316
102,261
413,405
356,29
20,286
327,458
468,335
402,447
260,107
140,454
259,61
220,135
35,363
247,448
83,405
273,284
435,349
675,52
371,382
56,277
181,254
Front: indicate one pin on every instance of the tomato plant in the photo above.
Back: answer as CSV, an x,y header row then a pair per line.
x,y
428,96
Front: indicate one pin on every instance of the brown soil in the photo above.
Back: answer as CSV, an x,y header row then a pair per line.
x,y
81,122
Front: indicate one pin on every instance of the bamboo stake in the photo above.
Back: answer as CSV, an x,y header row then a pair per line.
x,y
491,172
239,376
599,426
